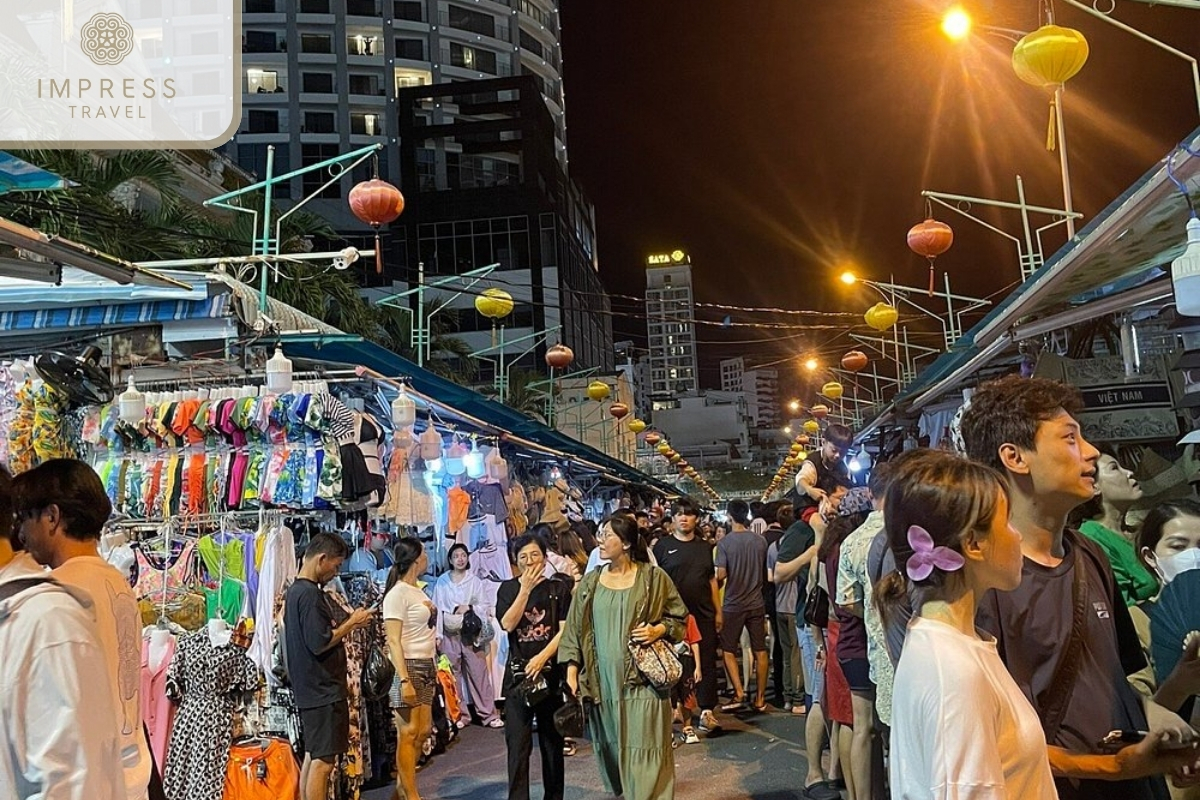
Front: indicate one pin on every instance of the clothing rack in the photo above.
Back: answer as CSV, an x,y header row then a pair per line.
x,y
334,376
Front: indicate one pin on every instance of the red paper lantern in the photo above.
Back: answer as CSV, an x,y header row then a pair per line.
x,y
559,357
820,410
854,361
376,203
653,438
930,239
619,410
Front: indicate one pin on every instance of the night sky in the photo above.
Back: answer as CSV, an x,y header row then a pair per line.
x,y
779,140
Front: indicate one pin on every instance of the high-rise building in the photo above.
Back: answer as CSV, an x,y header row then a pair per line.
x,y
671,328
761,387
321,77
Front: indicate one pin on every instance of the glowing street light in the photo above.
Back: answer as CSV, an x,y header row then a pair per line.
x,y
848,278
787,429
794,406
956,24
811,364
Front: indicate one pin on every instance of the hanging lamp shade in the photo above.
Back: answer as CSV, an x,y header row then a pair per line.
x,y
881,316
795,448
820,410
636,425
653,438
598,391
132,404
404,409
833,390
1050,56
802,439
674,458
663,447
618,410
854,361
376,203
559,356
812,426
494,303
801,456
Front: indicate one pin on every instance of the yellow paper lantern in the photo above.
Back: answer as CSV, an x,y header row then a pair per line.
x,y
1050,56
881,316
598,391
636,425
833,390
801,455
664,448
494,303
795,448
812,426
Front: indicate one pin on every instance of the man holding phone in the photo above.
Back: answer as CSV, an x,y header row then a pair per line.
x,y
316,661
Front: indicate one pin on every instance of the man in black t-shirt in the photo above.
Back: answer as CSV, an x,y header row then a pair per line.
x,y
316,661
1026,429
533,610
688,561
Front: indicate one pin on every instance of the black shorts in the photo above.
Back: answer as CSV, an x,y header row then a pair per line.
x,y
752,621
326,730
858,674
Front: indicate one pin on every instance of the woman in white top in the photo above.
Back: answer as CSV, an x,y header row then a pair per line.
x,y
960,726
409,618
454,593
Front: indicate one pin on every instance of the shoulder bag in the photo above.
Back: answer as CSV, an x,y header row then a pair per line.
x,y
1062,685
378,673
816,607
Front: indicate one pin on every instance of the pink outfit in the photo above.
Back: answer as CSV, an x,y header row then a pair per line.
x,y
157,711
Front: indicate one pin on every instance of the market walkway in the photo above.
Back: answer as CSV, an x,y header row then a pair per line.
x,y
758,758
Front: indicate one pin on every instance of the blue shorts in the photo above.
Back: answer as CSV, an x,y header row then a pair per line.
x,y
814,679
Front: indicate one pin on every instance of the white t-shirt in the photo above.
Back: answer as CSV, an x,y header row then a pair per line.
x,y
960,726
409,604
57,737
119,629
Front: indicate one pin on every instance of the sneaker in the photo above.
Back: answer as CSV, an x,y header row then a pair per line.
x,y
496,722
708,722
689,735
462,723
569,748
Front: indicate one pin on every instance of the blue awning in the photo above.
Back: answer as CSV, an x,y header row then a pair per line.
x,y
21,176
93,316
354,350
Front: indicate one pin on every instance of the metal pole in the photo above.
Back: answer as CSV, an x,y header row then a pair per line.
x,y
501,373
1068,206
952,336
264,246
1026,258
419,317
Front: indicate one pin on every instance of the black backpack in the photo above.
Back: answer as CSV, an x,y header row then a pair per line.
x,y
472,627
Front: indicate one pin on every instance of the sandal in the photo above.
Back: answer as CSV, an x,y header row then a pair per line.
x,y
737,705
760,708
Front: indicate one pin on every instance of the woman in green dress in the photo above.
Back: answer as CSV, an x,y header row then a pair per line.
x,y
630,721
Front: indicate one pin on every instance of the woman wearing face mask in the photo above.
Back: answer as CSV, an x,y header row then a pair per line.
x,y
1169,543
1103,521
456,592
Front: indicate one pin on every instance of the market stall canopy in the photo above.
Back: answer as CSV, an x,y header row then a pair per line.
x,y
1121,259
470,405
65,253
17,175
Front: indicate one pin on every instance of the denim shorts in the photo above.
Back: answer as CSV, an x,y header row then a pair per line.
x,y
814,679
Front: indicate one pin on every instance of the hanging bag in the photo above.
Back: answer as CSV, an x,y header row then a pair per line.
x,y
378,674
569,719
816,607
657,663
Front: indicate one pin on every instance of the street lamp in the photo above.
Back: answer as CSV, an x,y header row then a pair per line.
x,y
794,406
811,364
957,23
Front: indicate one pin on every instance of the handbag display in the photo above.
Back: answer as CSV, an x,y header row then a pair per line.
x,y
569,719
657,663
377,674
816,607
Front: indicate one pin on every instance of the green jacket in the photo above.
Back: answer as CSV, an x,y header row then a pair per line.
x,y
655,600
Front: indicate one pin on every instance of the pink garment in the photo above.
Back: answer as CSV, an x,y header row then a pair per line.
x,y
157,711
153,579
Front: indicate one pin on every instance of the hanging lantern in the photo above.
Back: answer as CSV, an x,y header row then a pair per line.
x,y
833,390
559,357
1049,57
636,426
803,439
653,438
820,410
376,203
618,410
598,391
494,304
663,447
854,361
812,426
881,316
675,458
929,239
801,456
404,410
795,448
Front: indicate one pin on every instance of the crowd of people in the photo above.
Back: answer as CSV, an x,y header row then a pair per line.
x,y
983,624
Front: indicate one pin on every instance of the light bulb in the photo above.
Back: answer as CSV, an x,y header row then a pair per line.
x,y
1185,273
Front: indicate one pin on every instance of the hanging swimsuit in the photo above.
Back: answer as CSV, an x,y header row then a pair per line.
x,y
153,578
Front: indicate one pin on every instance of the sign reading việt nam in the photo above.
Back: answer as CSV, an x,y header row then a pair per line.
x,y
120,73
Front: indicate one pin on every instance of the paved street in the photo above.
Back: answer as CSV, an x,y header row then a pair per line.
x,y
758,757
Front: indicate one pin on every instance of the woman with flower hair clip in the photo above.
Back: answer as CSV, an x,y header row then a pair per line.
x,y
960,725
